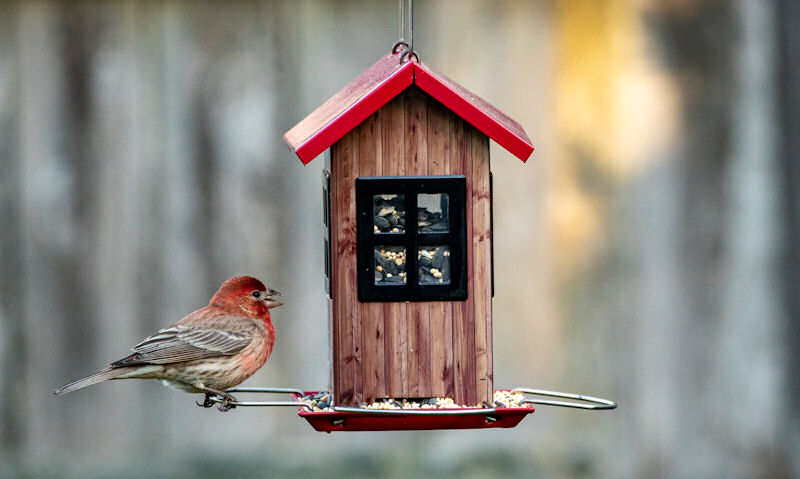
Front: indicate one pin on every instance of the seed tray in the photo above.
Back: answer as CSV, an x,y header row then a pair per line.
x,y
360,419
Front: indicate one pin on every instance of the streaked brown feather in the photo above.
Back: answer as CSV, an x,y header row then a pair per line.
x,y
224,336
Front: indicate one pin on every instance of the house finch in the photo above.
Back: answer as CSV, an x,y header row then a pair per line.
x,y
208,351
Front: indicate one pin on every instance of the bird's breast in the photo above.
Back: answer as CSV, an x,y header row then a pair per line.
x,y
258,351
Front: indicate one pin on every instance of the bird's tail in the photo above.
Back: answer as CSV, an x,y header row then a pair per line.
x,y
99,376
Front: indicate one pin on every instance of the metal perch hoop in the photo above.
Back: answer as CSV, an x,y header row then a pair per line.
x,y
347,418
589,402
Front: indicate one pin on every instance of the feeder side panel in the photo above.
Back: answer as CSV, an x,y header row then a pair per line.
x,y
333,189
394,164
441,312
331,215
370,163
419,342
346,358
481,265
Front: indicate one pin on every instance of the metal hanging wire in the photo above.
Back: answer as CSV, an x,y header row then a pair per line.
x,y
405,48
400,15
411,26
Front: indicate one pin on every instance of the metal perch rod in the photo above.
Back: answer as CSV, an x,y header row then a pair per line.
x,y
589,401
238,403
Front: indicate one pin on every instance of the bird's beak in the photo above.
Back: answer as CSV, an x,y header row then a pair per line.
x,y
270,301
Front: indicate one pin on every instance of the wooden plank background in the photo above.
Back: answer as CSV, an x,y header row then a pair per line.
x,y
646,252
428,349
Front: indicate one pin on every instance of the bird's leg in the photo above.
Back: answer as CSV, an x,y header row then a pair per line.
x,y
228,401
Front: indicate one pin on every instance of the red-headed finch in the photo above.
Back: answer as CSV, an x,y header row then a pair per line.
x,y
209,350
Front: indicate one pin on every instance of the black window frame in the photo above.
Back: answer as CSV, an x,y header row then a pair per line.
x,y
455,186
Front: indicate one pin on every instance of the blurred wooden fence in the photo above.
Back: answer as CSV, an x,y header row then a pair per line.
x,y
646,256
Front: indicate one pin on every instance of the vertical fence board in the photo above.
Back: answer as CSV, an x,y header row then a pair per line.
x,y
441,312
419,349
481,277
344,170
373,351
393,161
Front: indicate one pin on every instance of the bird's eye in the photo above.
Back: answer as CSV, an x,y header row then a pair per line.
x,y
256,294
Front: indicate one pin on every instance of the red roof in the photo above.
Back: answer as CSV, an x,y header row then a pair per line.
x,y
383,81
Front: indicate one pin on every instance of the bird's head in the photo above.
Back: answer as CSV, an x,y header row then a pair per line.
x,y
247,294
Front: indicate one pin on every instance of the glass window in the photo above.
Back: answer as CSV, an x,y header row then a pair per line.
x,y
389,213
432,209
390,265
434,265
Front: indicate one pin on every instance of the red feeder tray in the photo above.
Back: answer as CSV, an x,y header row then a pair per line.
x,y
358,419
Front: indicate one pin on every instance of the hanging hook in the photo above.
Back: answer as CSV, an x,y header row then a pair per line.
x,y
408,53
397,44
406,47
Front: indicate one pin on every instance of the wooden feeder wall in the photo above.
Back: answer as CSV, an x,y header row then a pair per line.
x,y
411,349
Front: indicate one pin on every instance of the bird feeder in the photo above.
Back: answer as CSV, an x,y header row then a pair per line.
x,y
408,252
408,216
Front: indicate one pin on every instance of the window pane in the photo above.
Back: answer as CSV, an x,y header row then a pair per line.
x,y
390,213
390,265
434,264
432,213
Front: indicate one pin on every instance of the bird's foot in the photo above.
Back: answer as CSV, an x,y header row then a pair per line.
x,y
225,401
228,403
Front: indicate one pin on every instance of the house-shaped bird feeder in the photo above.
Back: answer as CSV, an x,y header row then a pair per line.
x,y
408,250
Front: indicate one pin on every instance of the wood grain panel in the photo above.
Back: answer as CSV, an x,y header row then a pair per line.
x,y
344,169
394,164
481,253
441,312
415,349
463,312
419,346
372,318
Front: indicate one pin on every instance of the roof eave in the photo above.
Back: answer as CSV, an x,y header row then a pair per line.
x,y
484,117
507,133
355,114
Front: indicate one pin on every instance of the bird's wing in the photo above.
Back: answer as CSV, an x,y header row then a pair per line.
x,y
186,343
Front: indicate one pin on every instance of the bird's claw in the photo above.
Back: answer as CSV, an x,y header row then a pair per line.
x,y
228,403
207,402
